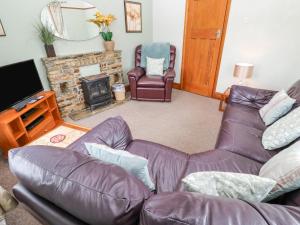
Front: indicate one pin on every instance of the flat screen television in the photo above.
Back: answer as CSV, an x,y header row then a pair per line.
x,y
18,82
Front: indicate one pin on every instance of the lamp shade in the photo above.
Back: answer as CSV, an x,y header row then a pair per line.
x,y
243,70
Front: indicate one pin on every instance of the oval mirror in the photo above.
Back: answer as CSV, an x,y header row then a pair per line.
x,y
69,19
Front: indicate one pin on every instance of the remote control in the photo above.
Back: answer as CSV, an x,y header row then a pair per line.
x,y
32,101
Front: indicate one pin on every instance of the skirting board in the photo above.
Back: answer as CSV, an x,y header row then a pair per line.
x,y
177,86
218,95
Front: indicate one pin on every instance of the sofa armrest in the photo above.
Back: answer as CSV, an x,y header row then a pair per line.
x,y
183,208
136,73
91,190
113,132
251,97
169,74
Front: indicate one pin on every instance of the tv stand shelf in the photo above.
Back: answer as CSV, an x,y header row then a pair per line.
x,y
19,128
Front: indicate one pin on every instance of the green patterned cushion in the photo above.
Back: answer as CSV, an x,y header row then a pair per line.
x,y
246,187
279,105
282,132
7,202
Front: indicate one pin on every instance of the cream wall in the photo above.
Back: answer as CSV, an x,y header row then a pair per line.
x,y
168,26
22,43
264,32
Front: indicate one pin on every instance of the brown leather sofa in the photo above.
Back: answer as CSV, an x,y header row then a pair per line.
x,y
151,88
68,187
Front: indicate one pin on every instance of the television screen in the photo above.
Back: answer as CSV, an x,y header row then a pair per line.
x,y
17,82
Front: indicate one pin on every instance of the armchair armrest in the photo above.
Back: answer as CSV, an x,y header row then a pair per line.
x,y
252,97
184,208
113,132
169,74
136,73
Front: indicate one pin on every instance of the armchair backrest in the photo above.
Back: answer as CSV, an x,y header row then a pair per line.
x,y
138,56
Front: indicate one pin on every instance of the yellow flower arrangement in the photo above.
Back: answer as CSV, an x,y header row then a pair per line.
x,y
103,22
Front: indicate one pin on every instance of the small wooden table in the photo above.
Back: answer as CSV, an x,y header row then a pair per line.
x,y
224,100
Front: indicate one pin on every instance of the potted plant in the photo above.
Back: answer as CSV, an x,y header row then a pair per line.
x,y
103,22
48,38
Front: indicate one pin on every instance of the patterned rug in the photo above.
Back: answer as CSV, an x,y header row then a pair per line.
x,y
61,136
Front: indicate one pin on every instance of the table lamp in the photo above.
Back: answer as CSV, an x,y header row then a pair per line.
x,y
243,71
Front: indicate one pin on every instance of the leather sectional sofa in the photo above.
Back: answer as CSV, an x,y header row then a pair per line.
x,y
68,187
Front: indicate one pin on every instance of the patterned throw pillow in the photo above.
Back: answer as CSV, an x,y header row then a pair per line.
x,y
134,164
246,187
279,105
284,168
7,202
155,67
282,132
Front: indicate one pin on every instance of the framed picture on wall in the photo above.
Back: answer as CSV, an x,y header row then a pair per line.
x,y
133,16
2,32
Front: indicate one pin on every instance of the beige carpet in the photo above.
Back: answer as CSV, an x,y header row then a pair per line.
x,y
190,124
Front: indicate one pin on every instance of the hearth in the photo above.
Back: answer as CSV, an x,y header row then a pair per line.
x,y
96,90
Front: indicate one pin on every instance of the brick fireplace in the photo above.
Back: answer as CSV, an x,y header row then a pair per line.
x,y
64,76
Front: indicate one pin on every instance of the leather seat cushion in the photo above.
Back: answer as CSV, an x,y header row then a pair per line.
x,y
243,140
151,81
166,165
245,115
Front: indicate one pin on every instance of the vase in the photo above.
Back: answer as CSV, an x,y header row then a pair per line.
x,y
50,50
109,46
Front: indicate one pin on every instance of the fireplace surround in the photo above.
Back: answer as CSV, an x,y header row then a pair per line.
x,y
65,78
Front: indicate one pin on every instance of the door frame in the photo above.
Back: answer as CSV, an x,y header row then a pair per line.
x,y
214,94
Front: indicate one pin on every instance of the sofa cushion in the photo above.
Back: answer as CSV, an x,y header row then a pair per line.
x,y
134,164
284,168
7,202
245,115
242,186
219,160
93,191
151,81
113,132
279,105
166,165
155,67
243,140
283,132
184,208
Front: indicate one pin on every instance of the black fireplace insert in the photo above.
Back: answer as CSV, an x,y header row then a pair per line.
x,y
96,90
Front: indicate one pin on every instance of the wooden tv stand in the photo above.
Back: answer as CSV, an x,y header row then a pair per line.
x,y
19,128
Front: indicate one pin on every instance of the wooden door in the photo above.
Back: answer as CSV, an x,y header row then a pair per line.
x,y
205,28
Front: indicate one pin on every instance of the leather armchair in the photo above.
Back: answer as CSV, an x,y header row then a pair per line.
x,y
151,88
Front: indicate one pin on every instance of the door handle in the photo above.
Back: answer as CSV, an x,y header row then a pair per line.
x,y
218,34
